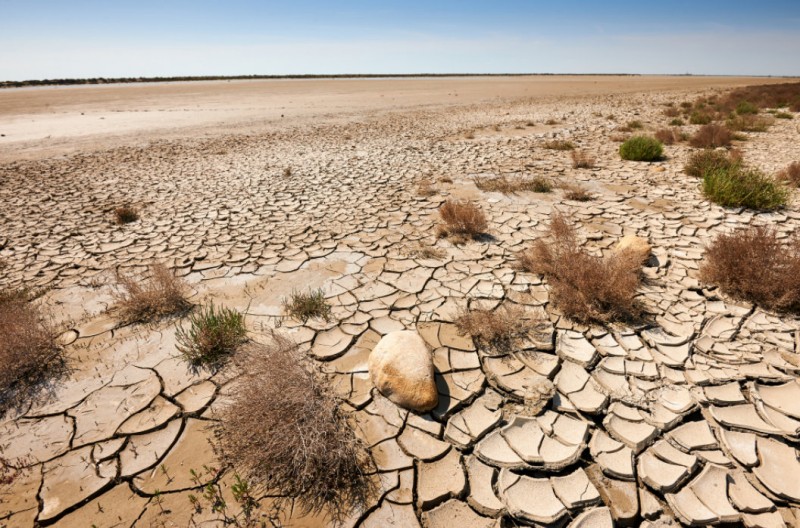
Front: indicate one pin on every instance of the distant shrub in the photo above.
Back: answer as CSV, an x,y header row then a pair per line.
x,y
704,161
426,189
784,115
666,136
461,220
711,136
551,122
508,185
791,174
577,193
641,148
635,124
286,432
559,144
213,333
671,112
754,265
586,288
745,108
676,122
700,118
125,214
147,299
750,123
305,306
741,187
581,160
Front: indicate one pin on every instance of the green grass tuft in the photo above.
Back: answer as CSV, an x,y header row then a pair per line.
x,y
641,148
736,186
305,306
213,333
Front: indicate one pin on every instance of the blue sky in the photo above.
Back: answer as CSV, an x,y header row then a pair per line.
x,y
117,38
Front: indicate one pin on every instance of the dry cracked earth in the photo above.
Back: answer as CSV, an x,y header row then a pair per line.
x,y
690,419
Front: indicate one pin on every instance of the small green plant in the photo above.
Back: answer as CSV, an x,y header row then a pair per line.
x,y
742,187
784,115
214,499
641,148
305,306
745,108
676,122
699,118
213,333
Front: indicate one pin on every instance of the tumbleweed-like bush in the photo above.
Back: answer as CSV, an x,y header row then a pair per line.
x,y
581,160
754,265
29,352
285,432
125,214
641,148
461,219
496,329
791,174
146,299
213,334
585,287
711,136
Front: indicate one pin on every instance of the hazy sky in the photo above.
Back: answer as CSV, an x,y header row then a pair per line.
x,y
121,38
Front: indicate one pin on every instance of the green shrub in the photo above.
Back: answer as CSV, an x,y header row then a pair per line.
x,y
304,306
635,125
737,186
750,123
676,122
641,148
213,333
746,108
784,115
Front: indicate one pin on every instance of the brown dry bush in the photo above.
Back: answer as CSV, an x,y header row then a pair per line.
x,y
577,193
582,160
125,214
506,185
750,123
147,299
559,144
425,188
671,112
29,352
461,220
791,174
425,251
586,288
285,432
704,161
495,329
754,265
711,136
667,136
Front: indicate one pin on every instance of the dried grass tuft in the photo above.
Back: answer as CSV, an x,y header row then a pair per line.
x,y
791,174
711,136
581,160
754,265
506,185
285,432
125,214
586,288
497,329
559,144
461,220
159,295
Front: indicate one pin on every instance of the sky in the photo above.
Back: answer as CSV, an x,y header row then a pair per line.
x,y
47,39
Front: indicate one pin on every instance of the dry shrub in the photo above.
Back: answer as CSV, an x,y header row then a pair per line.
x,y
29,353
791,174
445,179
711,136
125,214
287,172
704,161
668,136
285,432
582,160
619,138
461,220
551,122
634,125
159,295
700,118
577,193
783,115
754,265
497,329
507,185
469,134
425,188
586,288
676,122
424,251
559,144
671,112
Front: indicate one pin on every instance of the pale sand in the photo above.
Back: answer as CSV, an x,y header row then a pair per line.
x,y
44,121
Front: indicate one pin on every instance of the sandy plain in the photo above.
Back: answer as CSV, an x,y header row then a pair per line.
x,y
691,420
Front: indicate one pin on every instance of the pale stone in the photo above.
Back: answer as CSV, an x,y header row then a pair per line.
x,y
402,369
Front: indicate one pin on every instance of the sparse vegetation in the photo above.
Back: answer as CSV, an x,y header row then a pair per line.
x,y
671,111
641,148
585,287
577,193
667,136
783,115
676,122
213,334
711,136
704,161
287,172
635,125
495,329
461,220
29,352
581,160
738,186
559,144
425,251
508,185
309,305
745,108
287,435
700,118
750,123
425,188
147,299
754,265
125,214
551,122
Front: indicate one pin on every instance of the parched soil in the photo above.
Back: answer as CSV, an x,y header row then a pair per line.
x,y
691,417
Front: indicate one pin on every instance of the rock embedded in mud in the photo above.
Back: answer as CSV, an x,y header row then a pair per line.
x,y
401,368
